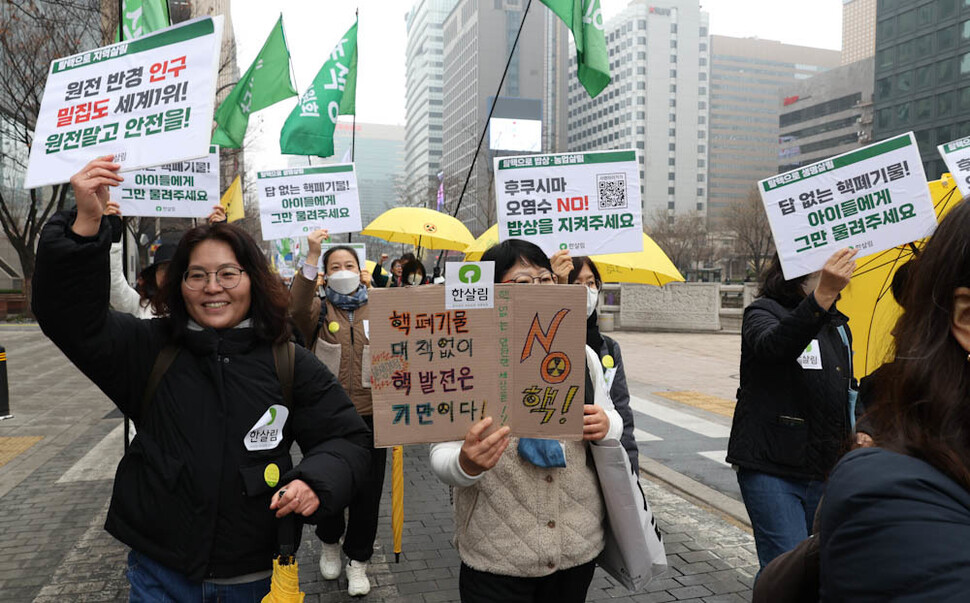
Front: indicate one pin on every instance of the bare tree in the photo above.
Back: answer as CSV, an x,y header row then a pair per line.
x,y
748,223
682,237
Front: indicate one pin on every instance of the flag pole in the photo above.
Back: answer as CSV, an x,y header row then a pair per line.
x,y
491,110
124,219
353,126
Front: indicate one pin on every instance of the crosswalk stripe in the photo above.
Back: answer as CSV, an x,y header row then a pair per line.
x,y
101,461
680,418
642,436
717,456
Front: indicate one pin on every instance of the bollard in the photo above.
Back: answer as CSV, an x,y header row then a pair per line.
x,y
4,389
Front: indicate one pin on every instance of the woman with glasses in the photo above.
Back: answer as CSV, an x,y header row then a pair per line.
x,y
529,521
336,328
584,272
199,491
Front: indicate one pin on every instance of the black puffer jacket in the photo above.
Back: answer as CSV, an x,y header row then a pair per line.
x,y
190,493
893,528
790,421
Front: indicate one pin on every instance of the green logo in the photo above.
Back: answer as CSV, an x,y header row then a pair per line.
x,y
469,274
563,246
158,208
808,350
272,416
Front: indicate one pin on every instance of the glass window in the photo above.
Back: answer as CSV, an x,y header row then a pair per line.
x,y
924,108
904,82
924,76
946,8
965,99
945,103
923,137
904,52
963,130
884,88
965,30
924,14
906,22
965,63
943,134
946,70
886,29
884,58
946,38
902,114
924,45
883,118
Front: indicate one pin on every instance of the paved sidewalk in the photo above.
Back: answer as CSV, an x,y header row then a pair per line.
x,y
53,547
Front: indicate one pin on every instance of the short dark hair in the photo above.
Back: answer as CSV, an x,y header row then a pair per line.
x,y
407,257
515,251
410,268
774,286
269,297
336,248
578,263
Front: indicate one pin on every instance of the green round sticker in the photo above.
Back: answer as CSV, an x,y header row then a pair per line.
x,y
272,475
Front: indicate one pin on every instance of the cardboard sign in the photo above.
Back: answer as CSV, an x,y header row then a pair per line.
x,y
588,203
148,102
437,372
185,189
469,285
295,202
956,154
872,199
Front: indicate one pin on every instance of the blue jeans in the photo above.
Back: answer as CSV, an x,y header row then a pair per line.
x,y
153,582
782,510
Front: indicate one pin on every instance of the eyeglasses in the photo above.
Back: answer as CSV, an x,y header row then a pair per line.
x,y
227,278
596,284
546,278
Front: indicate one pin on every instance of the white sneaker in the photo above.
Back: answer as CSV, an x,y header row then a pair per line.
x,y
330,561
357,583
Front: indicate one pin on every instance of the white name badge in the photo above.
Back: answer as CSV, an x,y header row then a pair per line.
x,y
811,358
267,433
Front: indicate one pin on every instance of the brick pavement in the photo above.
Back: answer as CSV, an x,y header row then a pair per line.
x,y
53,547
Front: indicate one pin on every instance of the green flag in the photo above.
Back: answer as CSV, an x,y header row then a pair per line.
x,y
585,20
142,17
309,128
267,81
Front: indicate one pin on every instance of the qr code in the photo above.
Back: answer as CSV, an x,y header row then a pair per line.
x,y
611,191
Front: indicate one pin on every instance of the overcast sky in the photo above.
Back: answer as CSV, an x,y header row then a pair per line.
x,y
313,27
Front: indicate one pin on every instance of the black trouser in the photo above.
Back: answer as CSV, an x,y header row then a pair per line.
x,y
565,586
364,508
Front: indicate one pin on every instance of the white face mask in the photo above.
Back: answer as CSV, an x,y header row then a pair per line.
x,y
344,282
592,298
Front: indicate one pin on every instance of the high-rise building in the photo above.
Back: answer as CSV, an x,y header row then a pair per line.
x,y
858,30
378,153
478,39
424,64
922,66
826,115
656,103
747,76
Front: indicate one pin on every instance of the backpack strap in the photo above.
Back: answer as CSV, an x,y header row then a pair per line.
x,y
163,361
321,319
284,357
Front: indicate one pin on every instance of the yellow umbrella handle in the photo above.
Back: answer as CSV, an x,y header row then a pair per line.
x,y
397,499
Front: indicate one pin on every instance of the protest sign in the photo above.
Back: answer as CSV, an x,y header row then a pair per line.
x,y
436,372
871,199
295,202
588,203
469,285
184,189
956,154
148,102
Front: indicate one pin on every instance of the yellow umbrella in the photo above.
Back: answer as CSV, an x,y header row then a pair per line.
x,y
397,498
650,266
474,252
868,301
421,227
369,265
285,584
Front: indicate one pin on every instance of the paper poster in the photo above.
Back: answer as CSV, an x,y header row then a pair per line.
x,y
148,102
469,285
956,154
295,202
871,199
436,372
184,189
588,203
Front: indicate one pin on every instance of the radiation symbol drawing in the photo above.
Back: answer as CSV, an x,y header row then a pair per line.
x,y
429,227
555,367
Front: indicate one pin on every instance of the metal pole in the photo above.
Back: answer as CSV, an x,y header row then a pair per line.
x,y
353,127
124,219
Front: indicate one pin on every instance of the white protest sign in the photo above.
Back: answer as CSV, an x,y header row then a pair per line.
x,y
872,199
359,248
956,154
185,189
148,102
469,285
295,202
588,203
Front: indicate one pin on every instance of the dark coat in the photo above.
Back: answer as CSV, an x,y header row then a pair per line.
x,y
893,527
189,493
620,395
789,421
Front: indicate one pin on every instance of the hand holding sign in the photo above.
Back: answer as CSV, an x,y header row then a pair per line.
x,y
315,242
835,276
562,265
481,454
596,424
90,187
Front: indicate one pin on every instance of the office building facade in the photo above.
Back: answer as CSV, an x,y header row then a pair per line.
x,y
858,30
